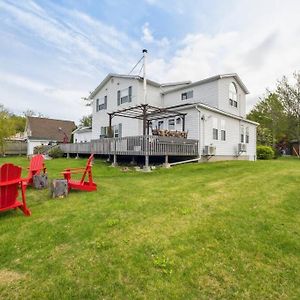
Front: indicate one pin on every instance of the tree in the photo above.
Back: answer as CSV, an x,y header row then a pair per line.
x,y
270,114
289,95
19,123
86,121
7,126
31,113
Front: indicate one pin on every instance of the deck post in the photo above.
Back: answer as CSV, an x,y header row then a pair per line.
x,y
146,167
77,156
132,161
115,163
68,155
166,164
110,133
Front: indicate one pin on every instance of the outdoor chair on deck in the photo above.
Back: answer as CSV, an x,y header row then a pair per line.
x,y
81,184
10,181
36,167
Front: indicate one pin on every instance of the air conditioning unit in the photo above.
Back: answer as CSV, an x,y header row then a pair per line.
x,y
242,147
209,150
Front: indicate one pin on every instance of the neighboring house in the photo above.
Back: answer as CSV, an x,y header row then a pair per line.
x,y
82,135
215,111
44,131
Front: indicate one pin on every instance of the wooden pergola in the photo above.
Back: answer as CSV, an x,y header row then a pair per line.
x,y
146,113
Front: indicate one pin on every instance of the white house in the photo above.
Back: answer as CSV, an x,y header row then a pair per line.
x,y
215,110
44,131
82,135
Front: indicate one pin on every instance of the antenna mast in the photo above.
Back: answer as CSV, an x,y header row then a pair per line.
x,y
144,74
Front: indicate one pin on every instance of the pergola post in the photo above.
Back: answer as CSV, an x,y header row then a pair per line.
x,y
183,122
110,133
144,120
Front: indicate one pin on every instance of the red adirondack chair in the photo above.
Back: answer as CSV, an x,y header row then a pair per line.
x,y
82,184
36,166
10,181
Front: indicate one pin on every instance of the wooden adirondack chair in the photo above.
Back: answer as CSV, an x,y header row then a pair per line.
x,y
82,184
36,166
10,181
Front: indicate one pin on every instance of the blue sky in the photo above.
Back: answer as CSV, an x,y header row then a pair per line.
x,y
54,52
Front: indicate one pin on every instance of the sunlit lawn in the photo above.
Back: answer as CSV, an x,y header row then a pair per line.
x,y
200,231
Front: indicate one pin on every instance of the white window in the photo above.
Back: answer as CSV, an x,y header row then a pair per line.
x,y
242,134
160,124
223,130
233,95
171,124
247,135
103,105
124,95
215,128
187,95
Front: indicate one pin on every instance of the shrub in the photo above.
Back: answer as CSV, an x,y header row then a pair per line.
x,y
264,152
55,152
40,149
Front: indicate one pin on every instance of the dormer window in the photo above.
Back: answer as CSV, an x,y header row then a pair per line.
x,y
187,95
233,95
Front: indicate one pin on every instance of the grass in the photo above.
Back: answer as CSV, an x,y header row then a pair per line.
x,y
228,230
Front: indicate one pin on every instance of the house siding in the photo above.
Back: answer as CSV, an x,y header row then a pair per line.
x,y
215,94
223,97
206,93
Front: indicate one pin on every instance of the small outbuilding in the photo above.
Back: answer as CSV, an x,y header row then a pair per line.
x,y
82,135
45,131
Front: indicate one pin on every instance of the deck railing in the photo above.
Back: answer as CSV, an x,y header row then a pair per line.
x,y
136,145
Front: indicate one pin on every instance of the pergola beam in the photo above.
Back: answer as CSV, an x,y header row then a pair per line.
x,y
146,113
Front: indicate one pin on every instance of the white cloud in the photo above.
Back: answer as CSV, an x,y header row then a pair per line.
x,y
260,50
256,39
147,34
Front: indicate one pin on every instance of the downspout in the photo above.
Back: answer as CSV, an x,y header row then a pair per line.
x,y
199,130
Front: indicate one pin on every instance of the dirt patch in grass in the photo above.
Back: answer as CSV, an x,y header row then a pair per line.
x,y
9,277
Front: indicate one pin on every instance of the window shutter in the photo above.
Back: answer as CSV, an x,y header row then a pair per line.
x,y
105,102
119,97
120,130
97,105
130,94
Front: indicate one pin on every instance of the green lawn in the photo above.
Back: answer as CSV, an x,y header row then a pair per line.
x,y
228,230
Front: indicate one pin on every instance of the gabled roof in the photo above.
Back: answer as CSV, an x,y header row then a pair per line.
x,y
210,79
111,75
82,129
50,129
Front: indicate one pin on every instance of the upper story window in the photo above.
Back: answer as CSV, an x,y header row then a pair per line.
x,y
124,95
233,95
187,95
103,105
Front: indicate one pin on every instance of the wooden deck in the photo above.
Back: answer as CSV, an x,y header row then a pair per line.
x,y
136,145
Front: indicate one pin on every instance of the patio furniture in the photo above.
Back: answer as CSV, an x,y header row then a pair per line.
x,y
10,181
85,185
36,167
